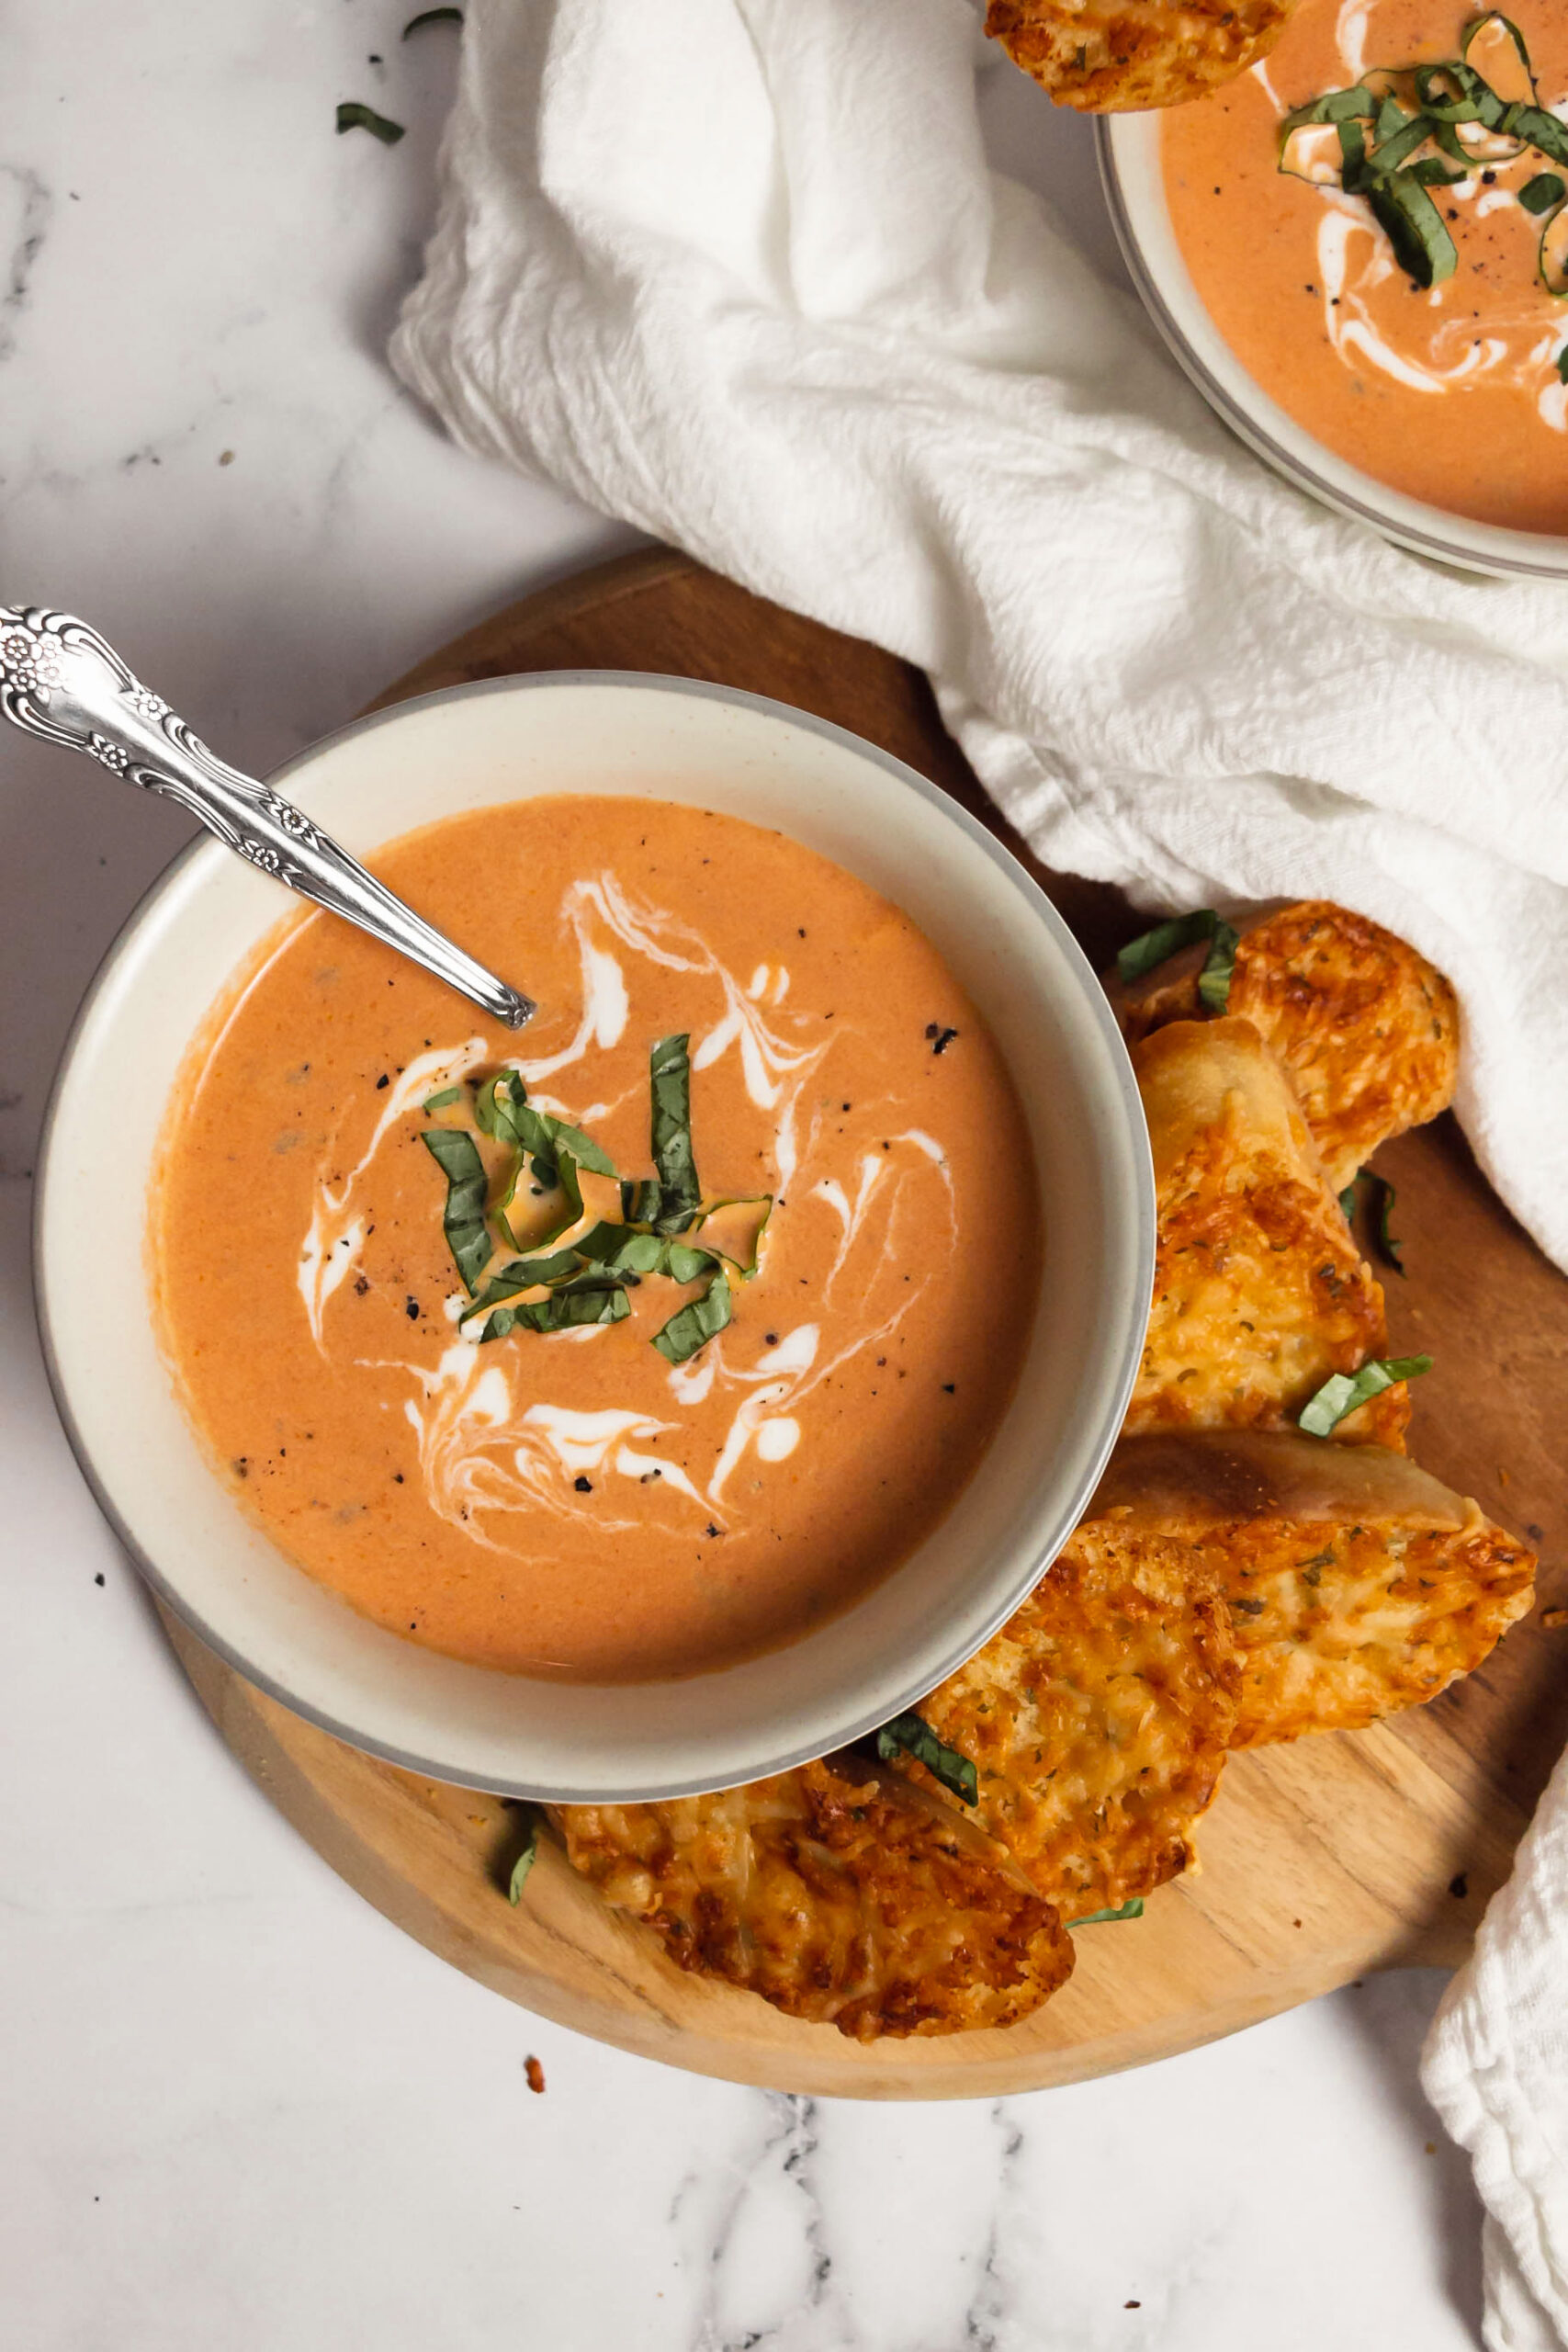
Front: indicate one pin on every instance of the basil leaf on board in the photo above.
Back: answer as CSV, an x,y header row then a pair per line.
x,y
1541,193
1348,1201
669,1084
527,1855
1343,1391
1132,1909
913,1736
352,115
1383,1198
1214,980
1167,939
463,1219
417,25
693,1325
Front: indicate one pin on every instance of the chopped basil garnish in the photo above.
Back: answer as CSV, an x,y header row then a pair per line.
x,y
696,1323
1343,1391
1132,1909
463,1219
523,1273
669,1077
586,1280
915,1737
1470,115
1551,257
566,1308
432,16
353,116
733,1230
1143,955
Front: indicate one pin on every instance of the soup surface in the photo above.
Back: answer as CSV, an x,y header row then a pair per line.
x,y
1450,394
573,1502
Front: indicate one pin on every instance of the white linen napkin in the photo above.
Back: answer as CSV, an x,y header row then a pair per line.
x,y
1495,2067
737,271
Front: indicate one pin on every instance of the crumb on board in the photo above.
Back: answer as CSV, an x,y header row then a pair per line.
x,y
535,2073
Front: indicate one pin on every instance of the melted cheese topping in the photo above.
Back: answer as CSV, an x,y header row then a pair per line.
x,y
837,1893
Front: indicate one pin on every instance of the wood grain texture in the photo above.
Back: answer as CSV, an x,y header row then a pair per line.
x,y
1321,1861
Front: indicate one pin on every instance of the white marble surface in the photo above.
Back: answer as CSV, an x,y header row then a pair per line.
x,y
237,2107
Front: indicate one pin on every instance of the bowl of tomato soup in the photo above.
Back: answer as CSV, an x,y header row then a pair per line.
x,y
1359,250
653,1398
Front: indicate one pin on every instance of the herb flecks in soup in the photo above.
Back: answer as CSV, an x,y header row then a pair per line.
x,y
1377,221
641,1343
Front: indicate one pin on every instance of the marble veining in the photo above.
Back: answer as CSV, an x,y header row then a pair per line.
x,y
240,2108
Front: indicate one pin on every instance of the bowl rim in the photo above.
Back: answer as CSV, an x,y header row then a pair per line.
x,y
1117,1064
1122,145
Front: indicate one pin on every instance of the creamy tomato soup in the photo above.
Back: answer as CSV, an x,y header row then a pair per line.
x,y
1450,393
581,1502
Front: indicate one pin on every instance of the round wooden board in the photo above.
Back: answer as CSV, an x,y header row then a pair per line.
x,y
1321,1861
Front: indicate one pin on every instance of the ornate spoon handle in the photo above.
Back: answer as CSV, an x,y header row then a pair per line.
x,y
61,681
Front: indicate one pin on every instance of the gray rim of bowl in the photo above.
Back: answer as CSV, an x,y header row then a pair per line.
x,y
1118,1394
1249,429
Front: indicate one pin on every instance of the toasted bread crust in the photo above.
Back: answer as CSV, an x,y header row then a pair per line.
x,y
1108,56
1097,1719
1357,1583
839,1892
1368,1030
1260,1292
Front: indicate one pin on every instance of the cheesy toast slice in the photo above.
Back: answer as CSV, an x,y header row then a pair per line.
x,y
1366,1028
1107,56
1260,1292
1357,1584
839,1892
1097,1719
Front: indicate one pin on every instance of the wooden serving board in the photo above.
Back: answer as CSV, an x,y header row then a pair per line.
x,y
1321,1861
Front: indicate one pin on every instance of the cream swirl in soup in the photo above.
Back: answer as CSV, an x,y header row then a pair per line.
x,y
581,1501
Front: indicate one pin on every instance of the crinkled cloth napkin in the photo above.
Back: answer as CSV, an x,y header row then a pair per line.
x,y
737,271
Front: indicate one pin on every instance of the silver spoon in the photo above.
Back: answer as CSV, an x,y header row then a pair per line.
x,y
58,679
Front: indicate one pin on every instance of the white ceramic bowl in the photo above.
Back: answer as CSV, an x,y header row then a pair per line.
x,y
668,738
1129,148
